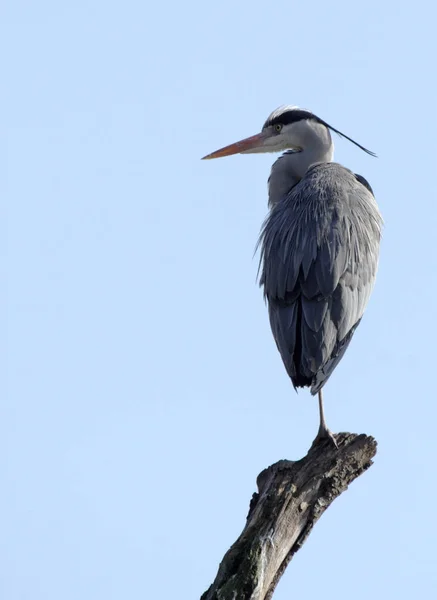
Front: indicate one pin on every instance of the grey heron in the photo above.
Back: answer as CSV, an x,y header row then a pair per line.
x,y
319,246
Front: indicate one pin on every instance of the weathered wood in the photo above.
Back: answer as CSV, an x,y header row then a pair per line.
x,y
291,497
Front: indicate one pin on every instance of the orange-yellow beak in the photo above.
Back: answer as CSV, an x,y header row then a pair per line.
x,y
246,145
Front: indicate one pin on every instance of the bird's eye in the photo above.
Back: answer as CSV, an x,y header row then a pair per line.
x,y
278,127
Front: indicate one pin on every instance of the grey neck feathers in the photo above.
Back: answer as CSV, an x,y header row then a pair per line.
x,y
316,143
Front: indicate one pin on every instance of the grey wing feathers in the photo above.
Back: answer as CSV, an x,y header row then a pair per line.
x,y
319,254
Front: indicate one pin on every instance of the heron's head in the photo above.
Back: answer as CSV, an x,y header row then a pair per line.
x,y
287,128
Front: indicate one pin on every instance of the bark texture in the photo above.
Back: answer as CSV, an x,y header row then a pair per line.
x,y
290,499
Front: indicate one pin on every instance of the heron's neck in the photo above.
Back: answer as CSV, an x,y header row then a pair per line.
x,y
291,167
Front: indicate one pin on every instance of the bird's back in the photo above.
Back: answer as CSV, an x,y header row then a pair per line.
x,y
319,256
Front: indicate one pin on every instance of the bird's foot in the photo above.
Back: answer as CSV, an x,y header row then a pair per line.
x,y
324,434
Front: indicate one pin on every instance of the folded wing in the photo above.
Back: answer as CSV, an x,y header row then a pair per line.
x,y
319,255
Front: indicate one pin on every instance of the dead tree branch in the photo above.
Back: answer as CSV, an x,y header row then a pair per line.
x,y
291,497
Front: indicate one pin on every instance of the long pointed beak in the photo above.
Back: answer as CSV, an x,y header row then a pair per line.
x,y
250,143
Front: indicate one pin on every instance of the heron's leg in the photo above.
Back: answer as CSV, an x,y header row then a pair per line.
x,y
323,432
322,428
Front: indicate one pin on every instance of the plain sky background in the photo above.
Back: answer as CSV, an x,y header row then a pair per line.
x,y
145,392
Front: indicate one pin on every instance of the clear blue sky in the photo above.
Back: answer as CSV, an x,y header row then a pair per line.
x,y
145,392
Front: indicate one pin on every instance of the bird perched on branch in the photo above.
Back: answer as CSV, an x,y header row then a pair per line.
x,y
319,246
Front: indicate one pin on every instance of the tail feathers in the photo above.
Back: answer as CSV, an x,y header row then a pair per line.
x,y
309,356
326,371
